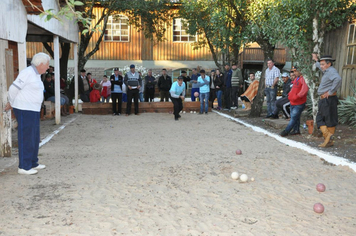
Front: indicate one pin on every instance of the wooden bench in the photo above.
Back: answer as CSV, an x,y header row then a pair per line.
x,y
149,107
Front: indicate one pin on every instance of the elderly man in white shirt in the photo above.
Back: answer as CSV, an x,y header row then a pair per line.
x,y
25,98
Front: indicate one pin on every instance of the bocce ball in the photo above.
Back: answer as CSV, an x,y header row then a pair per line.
x,y
235,175
243,178
318,208
252,179
196,94
320,187
238,152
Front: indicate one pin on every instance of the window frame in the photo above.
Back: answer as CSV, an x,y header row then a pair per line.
x,y
351,46
181,25
112,28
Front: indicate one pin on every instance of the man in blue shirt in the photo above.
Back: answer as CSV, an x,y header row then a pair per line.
x,y
203,83
177,93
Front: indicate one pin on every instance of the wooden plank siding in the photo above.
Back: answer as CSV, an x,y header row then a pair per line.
x,y
138,48
336,46
256,56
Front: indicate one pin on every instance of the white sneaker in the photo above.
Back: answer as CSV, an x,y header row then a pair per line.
x,y
27,172
233,108
39,167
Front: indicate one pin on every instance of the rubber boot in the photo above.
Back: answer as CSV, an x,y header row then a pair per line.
x,y
327,135
67,109
332,131
248,106
63,112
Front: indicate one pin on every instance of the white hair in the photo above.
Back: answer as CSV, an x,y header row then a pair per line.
x,y
40,58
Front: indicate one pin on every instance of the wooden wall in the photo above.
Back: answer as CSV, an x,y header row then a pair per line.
x,y
139,48
336,46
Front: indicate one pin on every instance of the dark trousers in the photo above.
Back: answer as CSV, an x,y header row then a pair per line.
x,y
235,91
284,105
132,93
227,98
164,95
149,94
212,97
85,96
177,105
116,97
192,94
28,137
327,112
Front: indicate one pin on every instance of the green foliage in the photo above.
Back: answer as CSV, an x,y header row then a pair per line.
x,y
347,111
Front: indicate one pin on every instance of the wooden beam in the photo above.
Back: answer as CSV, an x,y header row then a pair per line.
x,y
6,70
57,79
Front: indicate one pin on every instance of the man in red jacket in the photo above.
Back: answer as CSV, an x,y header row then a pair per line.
x,y
297,97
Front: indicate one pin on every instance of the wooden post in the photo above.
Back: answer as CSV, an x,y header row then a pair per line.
x,y
21,48
6,70
57,79
76,77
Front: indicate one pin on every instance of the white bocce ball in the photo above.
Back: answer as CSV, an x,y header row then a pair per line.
x,y
191,111
235,175
243,178
195,112
183,112
252,179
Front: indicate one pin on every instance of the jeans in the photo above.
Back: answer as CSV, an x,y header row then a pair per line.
x,y
192,93
202,97
105,99
124,97
28,137
218,95
295,112
141,96
53,98
271,99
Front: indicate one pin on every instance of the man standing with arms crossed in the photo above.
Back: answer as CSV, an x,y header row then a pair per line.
x,y
327,117
133,83
271,80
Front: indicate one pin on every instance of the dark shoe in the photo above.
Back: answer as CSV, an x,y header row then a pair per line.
x,y
200,113
284,133
294,132
176,118
269,116
137,114
206,113
179,116
274,117
114,114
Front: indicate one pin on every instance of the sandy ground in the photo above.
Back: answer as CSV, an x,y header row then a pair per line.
x,y
151,175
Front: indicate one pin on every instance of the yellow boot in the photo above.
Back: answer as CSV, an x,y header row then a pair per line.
x,y
332,131
327,135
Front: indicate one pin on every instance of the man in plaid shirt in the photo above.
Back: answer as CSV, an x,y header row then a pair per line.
x,y
271,80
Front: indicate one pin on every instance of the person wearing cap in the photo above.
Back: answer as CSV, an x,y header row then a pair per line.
x,y
150,83
116,81
164,84
271,80
297,97
177,94
227,87
83,86
236,86
327,117
133,83
283,103
204,90
194,81
186,78
251,92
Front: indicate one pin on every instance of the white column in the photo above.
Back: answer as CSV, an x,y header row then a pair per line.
x,y
5,121
76,77
57,82
21,48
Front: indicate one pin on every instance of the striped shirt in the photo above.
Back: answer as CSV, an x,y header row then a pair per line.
x,y
270,75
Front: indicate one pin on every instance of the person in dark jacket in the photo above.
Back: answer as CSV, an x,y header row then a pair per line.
x,y
164,85
283,103
83,86
150,83
219,84
186,79
116,92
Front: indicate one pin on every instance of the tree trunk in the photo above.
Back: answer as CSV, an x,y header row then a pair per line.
x,y
257,105
63,62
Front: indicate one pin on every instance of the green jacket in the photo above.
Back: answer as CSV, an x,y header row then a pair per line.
x,y
236,78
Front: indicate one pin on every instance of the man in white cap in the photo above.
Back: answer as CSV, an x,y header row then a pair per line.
x,y
327,117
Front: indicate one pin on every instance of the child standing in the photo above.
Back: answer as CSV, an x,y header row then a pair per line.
x,y
106,89
95,94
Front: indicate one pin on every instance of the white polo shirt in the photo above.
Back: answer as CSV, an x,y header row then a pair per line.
x,y
26,92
